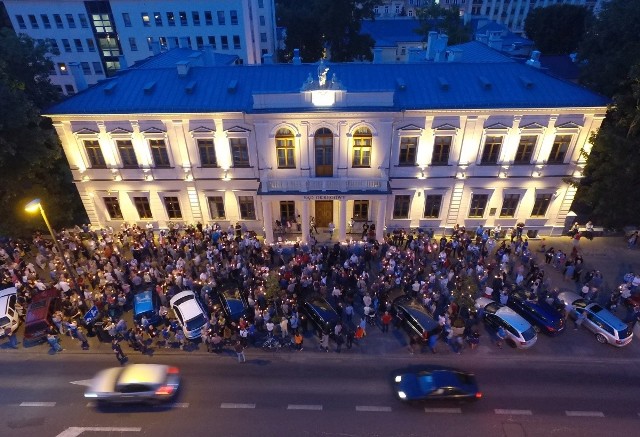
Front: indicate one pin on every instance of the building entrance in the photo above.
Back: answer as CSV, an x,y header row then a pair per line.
x,y
324,213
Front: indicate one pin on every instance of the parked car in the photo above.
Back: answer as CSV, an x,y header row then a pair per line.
x,y
9,317
435,384
146,304
145,383
632,301
191,313
606,327
416,320
234,304
542,316
39,315
320,312
519,332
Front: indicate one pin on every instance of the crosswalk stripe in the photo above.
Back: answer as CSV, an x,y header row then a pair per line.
x,y
38,404
584,413
514,412
373,408
304,407
443,410
230,405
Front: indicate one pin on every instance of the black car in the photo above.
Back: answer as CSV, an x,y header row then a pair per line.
x,y
234,304
415,318
542,316
321,314
435,384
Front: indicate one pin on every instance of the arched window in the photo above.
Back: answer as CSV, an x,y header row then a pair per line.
x,y
285,149
362,147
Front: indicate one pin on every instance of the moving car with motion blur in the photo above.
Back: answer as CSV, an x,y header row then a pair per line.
x,y
520,333
191,313
135,383
542,316
435,384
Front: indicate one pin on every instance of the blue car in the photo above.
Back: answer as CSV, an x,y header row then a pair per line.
x,y
435,384
542,316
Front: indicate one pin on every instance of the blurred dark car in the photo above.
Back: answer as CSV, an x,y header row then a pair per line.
x,y
39,315
542,316
320,312
435,384
416,320
234,304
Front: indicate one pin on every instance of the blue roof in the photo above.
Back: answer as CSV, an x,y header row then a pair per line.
x,y
388,33
428,85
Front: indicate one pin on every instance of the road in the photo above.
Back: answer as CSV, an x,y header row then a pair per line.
x,y
319,394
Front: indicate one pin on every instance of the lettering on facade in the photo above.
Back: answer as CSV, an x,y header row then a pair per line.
x,y
319,197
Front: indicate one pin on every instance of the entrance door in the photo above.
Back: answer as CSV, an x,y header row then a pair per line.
x,y
324,213
324,153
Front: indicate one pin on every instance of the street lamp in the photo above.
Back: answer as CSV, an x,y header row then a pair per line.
x,y
34,206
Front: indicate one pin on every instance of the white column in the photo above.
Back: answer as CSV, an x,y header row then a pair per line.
x,y
342,226
268,220
305,221
382,209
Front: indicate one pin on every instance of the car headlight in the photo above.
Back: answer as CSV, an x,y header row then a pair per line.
x,y
90,395
398,378
402,395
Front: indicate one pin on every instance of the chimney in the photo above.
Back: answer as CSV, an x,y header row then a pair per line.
x,y
377,56
535,59
431,43
441,47
267,58
123,62
455,55
155,47
183,68
185,43
209,55
78,76
296,57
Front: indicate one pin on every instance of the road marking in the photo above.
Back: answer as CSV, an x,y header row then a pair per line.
x,y
443,410
180,405
38,404
514,412
584,413
304,407
227,405
85,382
373,408
75,431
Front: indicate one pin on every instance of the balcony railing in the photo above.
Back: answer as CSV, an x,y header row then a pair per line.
x,y
344,185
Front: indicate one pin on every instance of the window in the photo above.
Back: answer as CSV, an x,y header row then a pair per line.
x,y
559,149
97,67
525,149
62,67
33,22
113,208
216,207
541,205
236,41
127,154
183,18
195,15
509,205
67,45
91,45
360,210
208,18
262,21
53,46
401,207
225,42
491,150
21,23
109,46
146,21
159,153
171,19
86,68
239,152
143,207
163,43
432,205
408,146
478,205
127,19
263,37
78,44
71,21
102,23
207,153
58,20
287,210
157,17
212,41
84,23
94,153
441,150
70,89
132,44
247,208
45,21
221,18
172,205
149,43
260,4
233,15
285,150
199,42
362,147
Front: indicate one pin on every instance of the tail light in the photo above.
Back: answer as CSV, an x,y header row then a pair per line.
x,y
551,329
173,370
478,395
165,390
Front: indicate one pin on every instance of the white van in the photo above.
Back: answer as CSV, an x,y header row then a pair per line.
x,y
9,317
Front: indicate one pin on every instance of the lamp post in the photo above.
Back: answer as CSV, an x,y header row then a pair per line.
x,y
34,206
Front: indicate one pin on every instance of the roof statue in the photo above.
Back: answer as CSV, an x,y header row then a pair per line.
x,y
322,74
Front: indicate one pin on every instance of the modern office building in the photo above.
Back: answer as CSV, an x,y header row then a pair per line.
x,y
102,36
475,138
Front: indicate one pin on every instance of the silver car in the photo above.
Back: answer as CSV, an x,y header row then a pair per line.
x,y
136,383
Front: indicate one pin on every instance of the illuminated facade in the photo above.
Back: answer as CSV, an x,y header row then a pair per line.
x,y
429,144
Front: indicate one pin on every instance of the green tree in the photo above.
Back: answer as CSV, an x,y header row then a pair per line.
x,y
435,18
31,159
557,29
314,26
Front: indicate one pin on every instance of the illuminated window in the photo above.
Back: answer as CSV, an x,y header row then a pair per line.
x,y
285,149
362,147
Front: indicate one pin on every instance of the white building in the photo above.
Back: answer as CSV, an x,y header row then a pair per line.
x,y
425,144
100,35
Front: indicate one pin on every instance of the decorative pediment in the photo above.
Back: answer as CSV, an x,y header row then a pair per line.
x,y
497,126
446,126
533,125
568,125
153,130
202,130
120,131
86,131
237,130
410,128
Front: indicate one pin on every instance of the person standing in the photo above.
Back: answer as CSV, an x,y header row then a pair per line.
x,y
386,321
332,228
284,327
298,340
312,225
240,352
117,350
13,339
324,342
53,341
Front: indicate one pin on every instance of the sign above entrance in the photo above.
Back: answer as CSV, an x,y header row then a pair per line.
x,y
324,197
